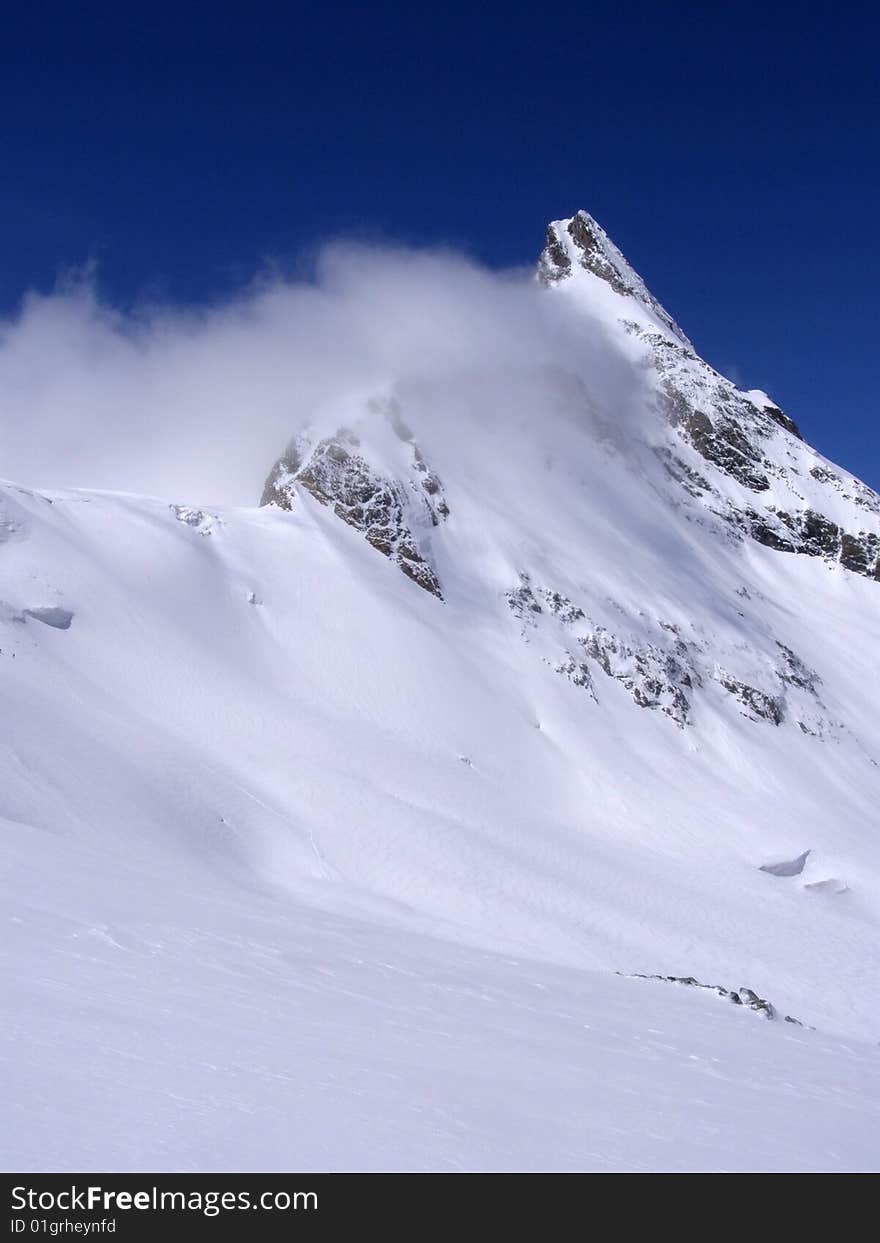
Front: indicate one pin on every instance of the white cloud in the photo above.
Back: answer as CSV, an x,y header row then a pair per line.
x,y
197,404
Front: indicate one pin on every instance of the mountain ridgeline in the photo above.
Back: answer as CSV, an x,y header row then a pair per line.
x,y
472,801
731,462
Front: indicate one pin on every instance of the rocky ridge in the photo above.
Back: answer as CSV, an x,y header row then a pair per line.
x,y
732,459
784,494
389,512
661,667
738,996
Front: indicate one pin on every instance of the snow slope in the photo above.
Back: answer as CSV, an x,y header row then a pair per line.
x,y
306,866
166,1026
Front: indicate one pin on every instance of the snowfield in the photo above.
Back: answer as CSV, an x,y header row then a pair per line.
x,y
163,1025
305,868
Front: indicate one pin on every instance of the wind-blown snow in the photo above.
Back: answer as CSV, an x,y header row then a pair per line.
x,y
307,868
168,402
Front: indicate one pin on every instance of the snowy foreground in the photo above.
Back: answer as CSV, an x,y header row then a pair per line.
x,y
227,1031
244,901
334,832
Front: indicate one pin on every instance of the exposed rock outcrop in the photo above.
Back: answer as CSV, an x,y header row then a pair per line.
x,y
744,436
583,241
738,996
659,667
738,436
336,473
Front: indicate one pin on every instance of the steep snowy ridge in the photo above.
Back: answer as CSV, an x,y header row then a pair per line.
x,y
328,822
581,242
784,494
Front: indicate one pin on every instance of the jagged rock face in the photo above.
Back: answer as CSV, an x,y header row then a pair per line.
x,y
661,668
744,436
336,473
741,438
583,241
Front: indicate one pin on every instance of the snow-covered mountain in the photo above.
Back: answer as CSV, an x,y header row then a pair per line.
x,y
328,822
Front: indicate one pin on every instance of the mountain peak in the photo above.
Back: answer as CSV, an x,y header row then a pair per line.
x,y
581,242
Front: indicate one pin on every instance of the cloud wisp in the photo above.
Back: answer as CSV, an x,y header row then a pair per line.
x,y
196,404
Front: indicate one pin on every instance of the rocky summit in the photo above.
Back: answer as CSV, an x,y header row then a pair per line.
x,y
732,462
787,493
421,812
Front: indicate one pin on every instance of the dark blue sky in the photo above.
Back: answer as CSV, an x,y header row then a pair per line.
x,y
732,153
